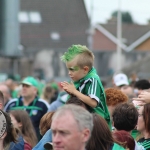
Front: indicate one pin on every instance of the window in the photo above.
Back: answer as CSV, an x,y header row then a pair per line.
x,y
35,17
29,17
55,36
23,17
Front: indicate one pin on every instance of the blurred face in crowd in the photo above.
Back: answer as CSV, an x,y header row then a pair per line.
x,y
140,124
28,91
66,133
5,90
14,122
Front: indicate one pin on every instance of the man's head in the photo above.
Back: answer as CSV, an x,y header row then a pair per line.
x,y
79,61
71,128
140,85
1,101
113,98
125,117
120,80
76,101
29,87
6,92
10,83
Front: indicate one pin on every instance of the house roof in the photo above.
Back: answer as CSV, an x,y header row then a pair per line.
x,y
65,20
132,34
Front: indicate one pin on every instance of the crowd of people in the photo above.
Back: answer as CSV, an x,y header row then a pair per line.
x,y
80,114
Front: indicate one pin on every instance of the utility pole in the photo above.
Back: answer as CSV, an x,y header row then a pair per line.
x,y
90,30
10,30
119,36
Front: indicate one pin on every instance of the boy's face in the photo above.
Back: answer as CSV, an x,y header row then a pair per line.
x,y
75,72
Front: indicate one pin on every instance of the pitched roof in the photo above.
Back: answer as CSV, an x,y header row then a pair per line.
x,y
65,18
132,34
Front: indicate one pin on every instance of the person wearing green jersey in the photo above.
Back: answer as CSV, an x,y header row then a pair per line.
x,y
86,84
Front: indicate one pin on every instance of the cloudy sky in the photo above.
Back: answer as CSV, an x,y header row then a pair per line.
x,y
102,9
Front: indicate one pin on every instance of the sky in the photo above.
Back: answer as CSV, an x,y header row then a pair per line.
x,y
102,9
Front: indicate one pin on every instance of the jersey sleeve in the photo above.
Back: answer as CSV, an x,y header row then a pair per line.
x,y
94,90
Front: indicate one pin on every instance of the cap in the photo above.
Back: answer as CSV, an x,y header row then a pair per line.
x,y
54,85
120,79
3,124
30,81
48,146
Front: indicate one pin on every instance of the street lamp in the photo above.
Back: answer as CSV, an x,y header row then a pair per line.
x,y
119,36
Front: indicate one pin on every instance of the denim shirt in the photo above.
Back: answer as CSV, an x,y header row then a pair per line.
x,y
17,146
46,138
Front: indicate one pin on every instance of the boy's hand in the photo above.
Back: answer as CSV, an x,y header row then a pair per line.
x,y
68,87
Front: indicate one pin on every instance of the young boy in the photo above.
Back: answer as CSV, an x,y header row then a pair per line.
x,y
86,83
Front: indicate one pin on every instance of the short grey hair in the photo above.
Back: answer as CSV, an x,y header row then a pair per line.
x,y
83,118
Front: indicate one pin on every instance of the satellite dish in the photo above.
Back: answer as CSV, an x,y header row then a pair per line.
x,y
3,124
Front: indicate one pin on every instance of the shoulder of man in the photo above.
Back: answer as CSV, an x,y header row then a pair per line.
x,y
10,104
43,103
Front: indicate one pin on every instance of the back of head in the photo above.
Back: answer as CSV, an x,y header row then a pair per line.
x,y
82,55
125,117
82,117
101,138
48,93
125,139
115,96
45,122
142,84
76,101
120,79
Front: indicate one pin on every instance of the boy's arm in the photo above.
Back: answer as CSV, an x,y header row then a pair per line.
x,y
70,88
86,99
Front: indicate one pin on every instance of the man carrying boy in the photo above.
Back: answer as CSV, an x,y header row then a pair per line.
x,y
86,83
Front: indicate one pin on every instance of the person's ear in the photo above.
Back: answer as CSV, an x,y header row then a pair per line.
x,y
85,135
86,69
20,125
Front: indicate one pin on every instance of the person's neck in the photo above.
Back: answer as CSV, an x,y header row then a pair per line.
x,y
146,134
28,100
1,145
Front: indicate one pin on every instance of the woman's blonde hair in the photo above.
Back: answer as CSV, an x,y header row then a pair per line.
x,y
45,122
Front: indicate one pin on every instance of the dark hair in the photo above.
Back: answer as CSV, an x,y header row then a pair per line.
x,y
11,131
45,122
115,96
76,101
27,129
1,98
142,84
101,137
125,139
146,116
125,117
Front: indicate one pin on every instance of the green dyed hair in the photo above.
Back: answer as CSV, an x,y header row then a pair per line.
x,y
73,51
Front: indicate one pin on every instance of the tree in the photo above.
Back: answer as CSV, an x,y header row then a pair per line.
x,y
126,16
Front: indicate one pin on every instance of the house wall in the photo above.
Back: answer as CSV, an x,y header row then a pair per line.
x,y
47,63
144,46
101,42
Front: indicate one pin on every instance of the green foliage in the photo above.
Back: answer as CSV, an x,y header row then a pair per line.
x,y
126,16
